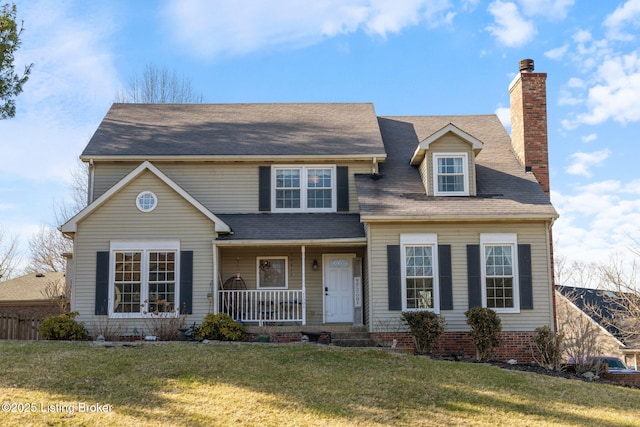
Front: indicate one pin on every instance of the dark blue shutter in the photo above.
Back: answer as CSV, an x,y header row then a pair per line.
x,y
394,277
264,188
342,188
102,284
444,272
524,275
474,277
186,282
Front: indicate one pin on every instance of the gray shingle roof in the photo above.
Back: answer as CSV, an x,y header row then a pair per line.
x,y
292,226
237,130
502,185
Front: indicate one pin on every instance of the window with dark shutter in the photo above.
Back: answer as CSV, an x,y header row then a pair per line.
x,y
102,284
445,282
186,282
394,277
525,276
474,277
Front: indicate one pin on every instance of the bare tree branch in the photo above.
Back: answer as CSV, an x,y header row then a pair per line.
x,y
159,86
9,259
47,247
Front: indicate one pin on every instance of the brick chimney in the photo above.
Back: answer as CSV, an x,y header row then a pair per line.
x,y
528,94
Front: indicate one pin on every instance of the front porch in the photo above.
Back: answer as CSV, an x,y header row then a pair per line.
x,y
264,306
283,285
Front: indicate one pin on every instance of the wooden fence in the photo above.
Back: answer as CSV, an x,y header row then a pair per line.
x,y
19,327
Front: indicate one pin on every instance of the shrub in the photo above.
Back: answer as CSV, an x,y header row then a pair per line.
x,y
485,330
63,327
549,349
426,328
220,327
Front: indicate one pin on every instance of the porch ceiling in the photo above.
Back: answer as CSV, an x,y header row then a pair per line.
x,y
292,227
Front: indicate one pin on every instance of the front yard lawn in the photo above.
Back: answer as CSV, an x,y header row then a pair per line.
x,y
59,383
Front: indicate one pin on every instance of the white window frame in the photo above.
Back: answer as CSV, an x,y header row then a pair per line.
x,y
259,259
501,239
143,208
303,188
465,171
145,248
430,239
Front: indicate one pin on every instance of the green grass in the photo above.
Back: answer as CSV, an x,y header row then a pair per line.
x,y
297,385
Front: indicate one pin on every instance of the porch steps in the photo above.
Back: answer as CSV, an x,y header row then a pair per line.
x,y
353,338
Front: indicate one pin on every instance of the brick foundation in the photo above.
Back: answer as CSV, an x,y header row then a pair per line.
x,y
515,345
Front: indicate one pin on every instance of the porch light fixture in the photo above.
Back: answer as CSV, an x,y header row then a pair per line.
x,y
314,265
210,296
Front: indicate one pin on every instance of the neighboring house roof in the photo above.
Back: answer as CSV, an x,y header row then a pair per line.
x,y
148,131
288,227
586,299
71,225
504,189
29,288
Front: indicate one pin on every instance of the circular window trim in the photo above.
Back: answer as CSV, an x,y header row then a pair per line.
x,y
142,207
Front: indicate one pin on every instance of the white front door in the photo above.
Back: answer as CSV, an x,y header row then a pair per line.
x,y
338,288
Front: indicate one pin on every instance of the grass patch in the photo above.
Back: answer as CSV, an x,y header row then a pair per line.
x,y
275,385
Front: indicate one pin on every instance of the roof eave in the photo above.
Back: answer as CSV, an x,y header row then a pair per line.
x,y
380,157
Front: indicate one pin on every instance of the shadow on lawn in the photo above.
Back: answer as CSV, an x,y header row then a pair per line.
x,y
281,382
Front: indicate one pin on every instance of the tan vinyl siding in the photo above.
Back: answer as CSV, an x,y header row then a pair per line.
x,y
459,236
221,187
119,219
449,143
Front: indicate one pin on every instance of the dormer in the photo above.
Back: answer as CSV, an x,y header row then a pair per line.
x,y
446,160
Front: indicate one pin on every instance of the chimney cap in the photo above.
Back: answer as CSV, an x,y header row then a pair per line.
x,y
526,66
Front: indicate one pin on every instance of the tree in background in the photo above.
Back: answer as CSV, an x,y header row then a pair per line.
x,y
47,247
10,82
8,255
623,298
159,86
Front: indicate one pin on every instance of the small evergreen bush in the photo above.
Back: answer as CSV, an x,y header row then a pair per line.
x,y
221,327
63,327
426,328
486,327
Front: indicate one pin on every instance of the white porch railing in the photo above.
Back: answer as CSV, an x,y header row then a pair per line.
x,y
263,305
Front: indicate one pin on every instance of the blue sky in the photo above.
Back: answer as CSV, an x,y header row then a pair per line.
x,y
408,57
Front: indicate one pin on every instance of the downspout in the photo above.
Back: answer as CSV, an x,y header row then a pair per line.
x,y
91,182
304,284
214,289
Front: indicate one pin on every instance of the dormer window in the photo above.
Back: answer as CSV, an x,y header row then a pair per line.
x,y
304,188
451,174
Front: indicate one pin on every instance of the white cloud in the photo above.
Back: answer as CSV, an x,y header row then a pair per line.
x,y
627,14
212,28
510,28
73,81
504,115
582,162
557,53
596,221
555,10
616,94
590,138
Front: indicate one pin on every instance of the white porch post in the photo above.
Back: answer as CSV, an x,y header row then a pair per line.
x,y
215,279
304,285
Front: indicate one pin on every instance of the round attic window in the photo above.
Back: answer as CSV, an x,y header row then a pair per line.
x,y
146,201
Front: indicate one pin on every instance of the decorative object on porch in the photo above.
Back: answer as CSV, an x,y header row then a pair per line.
x,y
323,337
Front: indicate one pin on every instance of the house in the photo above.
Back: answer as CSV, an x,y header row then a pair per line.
x,y
30,295
318,217
578,307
